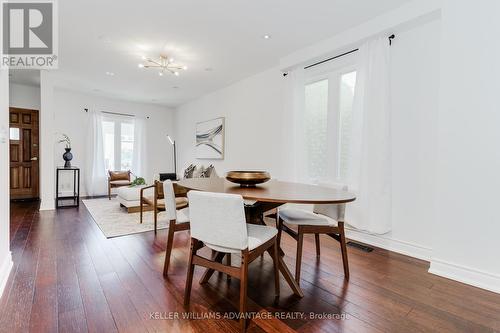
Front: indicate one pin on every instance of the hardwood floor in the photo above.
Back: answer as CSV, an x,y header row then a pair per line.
x,y
68,277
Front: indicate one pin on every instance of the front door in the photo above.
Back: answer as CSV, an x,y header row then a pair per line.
x,y
23,154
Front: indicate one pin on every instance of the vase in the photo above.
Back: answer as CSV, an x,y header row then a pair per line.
x,y
67,156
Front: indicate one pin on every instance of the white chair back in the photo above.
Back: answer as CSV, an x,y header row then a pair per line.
x,y
170,206
218,219
331,210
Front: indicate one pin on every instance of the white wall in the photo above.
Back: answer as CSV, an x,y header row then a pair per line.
x,y
5,256
254,111
255,133
25,97
47,137
71,119
467,237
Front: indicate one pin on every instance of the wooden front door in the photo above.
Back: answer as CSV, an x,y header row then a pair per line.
x,y
24,179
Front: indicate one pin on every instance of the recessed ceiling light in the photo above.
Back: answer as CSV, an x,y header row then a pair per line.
x,y
140,66
110,73
266,36
160,73
176,73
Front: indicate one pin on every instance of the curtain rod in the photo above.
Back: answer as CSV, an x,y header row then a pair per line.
x,y
391,37
119,114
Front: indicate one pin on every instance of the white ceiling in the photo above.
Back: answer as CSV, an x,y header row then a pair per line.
x,y
99,36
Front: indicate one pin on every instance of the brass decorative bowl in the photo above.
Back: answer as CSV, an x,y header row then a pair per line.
x,y
248,178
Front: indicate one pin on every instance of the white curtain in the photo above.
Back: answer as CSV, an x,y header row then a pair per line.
x,y
139,153
294,116
370,157
95,175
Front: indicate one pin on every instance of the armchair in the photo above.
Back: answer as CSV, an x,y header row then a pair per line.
x,y
118,179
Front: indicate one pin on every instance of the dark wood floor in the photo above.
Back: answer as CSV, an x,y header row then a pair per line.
x,y
68,277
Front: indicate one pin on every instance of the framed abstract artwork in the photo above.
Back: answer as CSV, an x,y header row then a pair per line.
x,y
210,139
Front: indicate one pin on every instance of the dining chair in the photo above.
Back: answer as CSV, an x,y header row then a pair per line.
x,y
178,220
156,202
218,222
324,219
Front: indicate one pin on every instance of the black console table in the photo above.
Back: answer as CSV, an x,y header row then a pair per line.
x,y
75,198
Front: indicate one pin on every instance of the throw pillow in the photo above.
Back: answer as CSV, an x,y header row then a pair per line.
x,y
188,173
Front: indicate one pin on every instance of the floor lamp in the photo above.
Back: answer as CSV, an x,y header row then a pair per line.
x,y
172,142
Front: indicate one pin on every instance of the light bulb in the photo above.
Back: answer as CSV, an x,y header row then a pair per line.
x,y
176,73
140,66
184,67
160,73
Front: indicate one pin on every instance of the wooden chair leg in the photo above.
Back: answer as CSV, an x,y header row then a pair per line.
x,y
190,271
155,218
278,237
275,255
141,210
316,236
109,191
170,241
343,248
243,290
298,259
228,263
209,272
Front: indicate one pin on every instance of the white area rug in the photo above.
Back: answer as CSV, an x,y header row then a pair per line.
x,y
114,220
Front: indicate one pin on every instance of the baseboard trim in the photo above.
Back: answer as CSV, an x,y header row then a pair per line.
x,y
44,205
467,275
409,249
5,269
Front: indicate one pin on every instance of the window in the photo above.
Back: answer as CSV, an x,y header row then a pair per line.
x,y
118,136
328,99
14,133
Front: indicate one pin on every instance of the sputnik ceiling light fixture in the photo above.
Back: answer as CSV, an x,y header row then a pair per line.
x,y
163,64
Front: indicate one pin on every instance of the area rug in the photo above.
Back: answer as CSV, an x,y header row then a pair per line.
x,y
114,220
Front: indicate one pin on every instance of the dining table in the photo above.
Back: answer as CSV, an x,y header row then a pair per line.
x,y
270,195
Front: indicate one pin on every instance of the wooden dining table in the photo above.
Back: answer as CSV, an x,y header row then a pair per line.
x,y
270,195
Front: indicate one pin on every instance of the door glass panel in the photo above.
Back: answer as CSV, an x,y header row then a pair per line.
x,y
14,133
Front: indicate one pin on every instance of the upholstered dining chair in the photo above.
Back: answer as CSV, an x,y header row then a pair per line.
x,y
157,201
218,222
118,179
324,219
178,220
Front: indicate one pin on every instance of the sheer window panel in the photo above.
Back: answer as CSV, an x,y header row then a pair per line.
x,y
126,145
346,98
316,125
